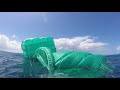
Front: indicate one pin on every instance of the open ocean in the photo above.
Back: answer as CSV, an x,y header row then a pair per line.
x,y
11,66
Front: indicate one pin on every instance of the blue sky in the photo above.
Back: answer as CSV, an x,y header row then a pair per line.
x,y
105,26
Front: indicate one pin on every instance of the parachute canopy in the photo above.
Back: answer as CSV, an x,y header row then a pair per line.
x,y
74,63
29,46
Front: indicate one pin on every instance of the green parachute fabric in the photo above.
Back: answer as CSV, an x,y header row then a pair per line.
x,y
41,52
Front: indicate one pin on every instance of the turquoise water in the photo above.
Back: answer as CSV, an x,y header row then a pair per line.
x,y
11,66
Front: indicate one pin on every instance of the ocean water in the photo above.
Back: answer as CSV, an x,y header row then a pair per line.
x,y
11,66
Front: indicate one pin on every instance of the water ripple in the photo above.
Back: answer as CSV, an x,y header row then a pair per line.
x,y
11,67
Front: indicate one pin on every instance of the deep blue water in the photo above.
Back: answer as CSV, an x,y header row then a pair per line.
x,y
11,66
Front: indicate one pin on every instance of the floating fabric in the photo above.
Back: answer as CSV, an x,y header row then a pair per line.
x,y
41,52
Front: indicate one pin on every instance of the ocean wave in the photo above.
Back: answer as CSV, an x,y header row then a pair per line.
x,y
11,67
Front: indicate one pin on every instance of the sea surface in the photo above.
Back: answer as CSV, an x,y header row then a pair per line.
x,y
11,66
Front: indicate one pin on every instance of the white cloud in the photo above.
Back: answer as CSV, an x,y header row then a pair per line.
x,y
44,17
14,36
9,45
118,48
85,43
